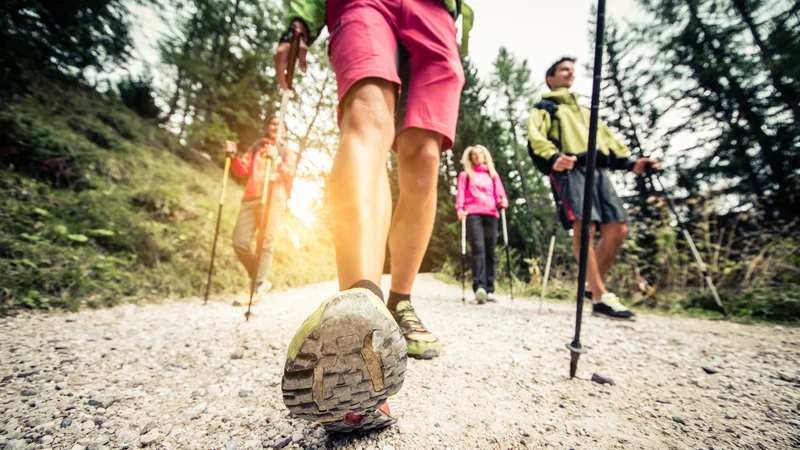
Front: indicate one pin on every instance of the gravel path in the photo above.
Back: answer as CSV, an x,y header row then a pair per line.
x,y
179,375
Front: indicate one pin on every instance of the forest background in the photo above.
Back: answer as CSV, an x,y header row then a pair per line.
x,y
110,182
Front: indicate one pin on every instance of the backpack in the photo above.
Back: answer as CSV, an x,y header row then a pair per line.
x,y
544,165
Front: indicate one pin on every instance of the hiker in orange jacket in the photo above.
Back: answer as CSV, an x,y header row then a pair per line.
x,y
252,165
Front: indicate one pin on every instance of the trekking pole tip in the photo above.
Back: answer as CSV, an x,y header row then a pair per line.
x,y
575,350
573,364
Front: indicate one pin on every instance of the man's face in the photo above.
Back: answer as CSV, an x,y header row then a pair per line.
x,y
272,128
564,76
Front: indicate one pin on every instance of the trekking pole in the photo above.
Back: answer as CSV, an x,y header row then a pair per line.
x,y
219,220
463,256
559,204
575,347
653,175
266,194
508,254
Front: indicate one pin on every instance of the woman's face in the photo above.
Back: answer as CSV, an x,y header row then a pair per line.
x,y
477,157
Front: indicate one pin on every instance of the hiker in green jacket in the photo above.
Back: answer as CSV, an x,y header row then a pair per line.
x,y
558,134
350,355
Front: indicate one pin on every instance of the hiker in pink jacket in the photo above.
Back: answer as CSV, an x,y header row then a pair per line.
x,y
480,193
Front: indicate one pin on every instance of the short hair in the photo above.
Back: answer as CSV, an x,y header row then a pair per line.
x,y
551,71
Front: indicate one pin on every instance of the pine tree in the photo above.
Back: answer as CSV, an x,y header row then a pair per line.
x,y
515,95
65,36
716,67
222,56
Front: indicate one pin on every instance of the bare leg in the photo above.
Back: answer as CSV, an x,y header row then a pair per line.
x,y
367,133
593,277
612,235
418,169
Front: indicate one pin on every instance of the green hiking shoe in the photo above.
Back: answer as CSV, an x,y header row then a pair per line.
x,y
346,359
611,307
422,344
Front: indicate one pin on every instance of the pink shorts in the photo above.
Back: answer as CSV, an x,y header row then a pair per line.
x,y
364,42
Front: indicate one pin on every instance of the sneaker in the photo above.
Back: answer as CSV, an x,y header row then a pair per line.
x,y
422,344
587,294
346,359
261,291
491,298
480,296
611,307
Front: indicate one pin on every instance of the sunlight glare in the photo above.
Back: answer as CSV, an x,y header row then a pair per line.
x,y
305,195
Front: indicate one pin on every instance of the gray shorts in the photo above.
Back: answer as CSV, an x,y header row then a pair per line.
x,y
607,206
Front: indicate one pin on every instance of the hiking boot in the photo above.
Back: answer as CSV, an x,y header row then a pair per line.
x,y
480,296
261,291
345,360
491,298
263,288
422,344
609,306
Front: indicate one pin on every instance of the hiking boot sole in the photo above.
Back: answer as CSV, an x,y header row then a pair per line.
x,y
623,319
346,360
428,354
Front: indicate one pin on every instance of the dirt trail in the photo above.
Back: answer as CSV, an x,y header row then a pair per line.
x,y
179,375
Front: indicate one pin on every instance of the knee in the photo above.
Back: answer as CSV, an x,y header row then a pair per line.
x,y
240,245
619,232
421,150
269,243
367,110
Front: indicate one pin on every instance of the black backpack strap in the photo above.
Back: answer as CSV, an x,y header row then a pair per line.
x,y
551,107
545,165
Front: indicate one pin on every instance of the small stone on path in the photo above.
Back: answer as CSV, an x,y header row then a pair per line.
x,y
15,444
151,437
102,402
597,378
282,443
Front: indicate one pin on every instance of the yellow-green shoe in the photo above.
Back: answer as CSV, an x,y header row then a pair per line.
x,y
346,359
422,344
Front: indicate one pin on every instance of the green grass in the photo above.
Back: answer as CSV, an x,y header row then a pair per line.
x,y
98,207
752,306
